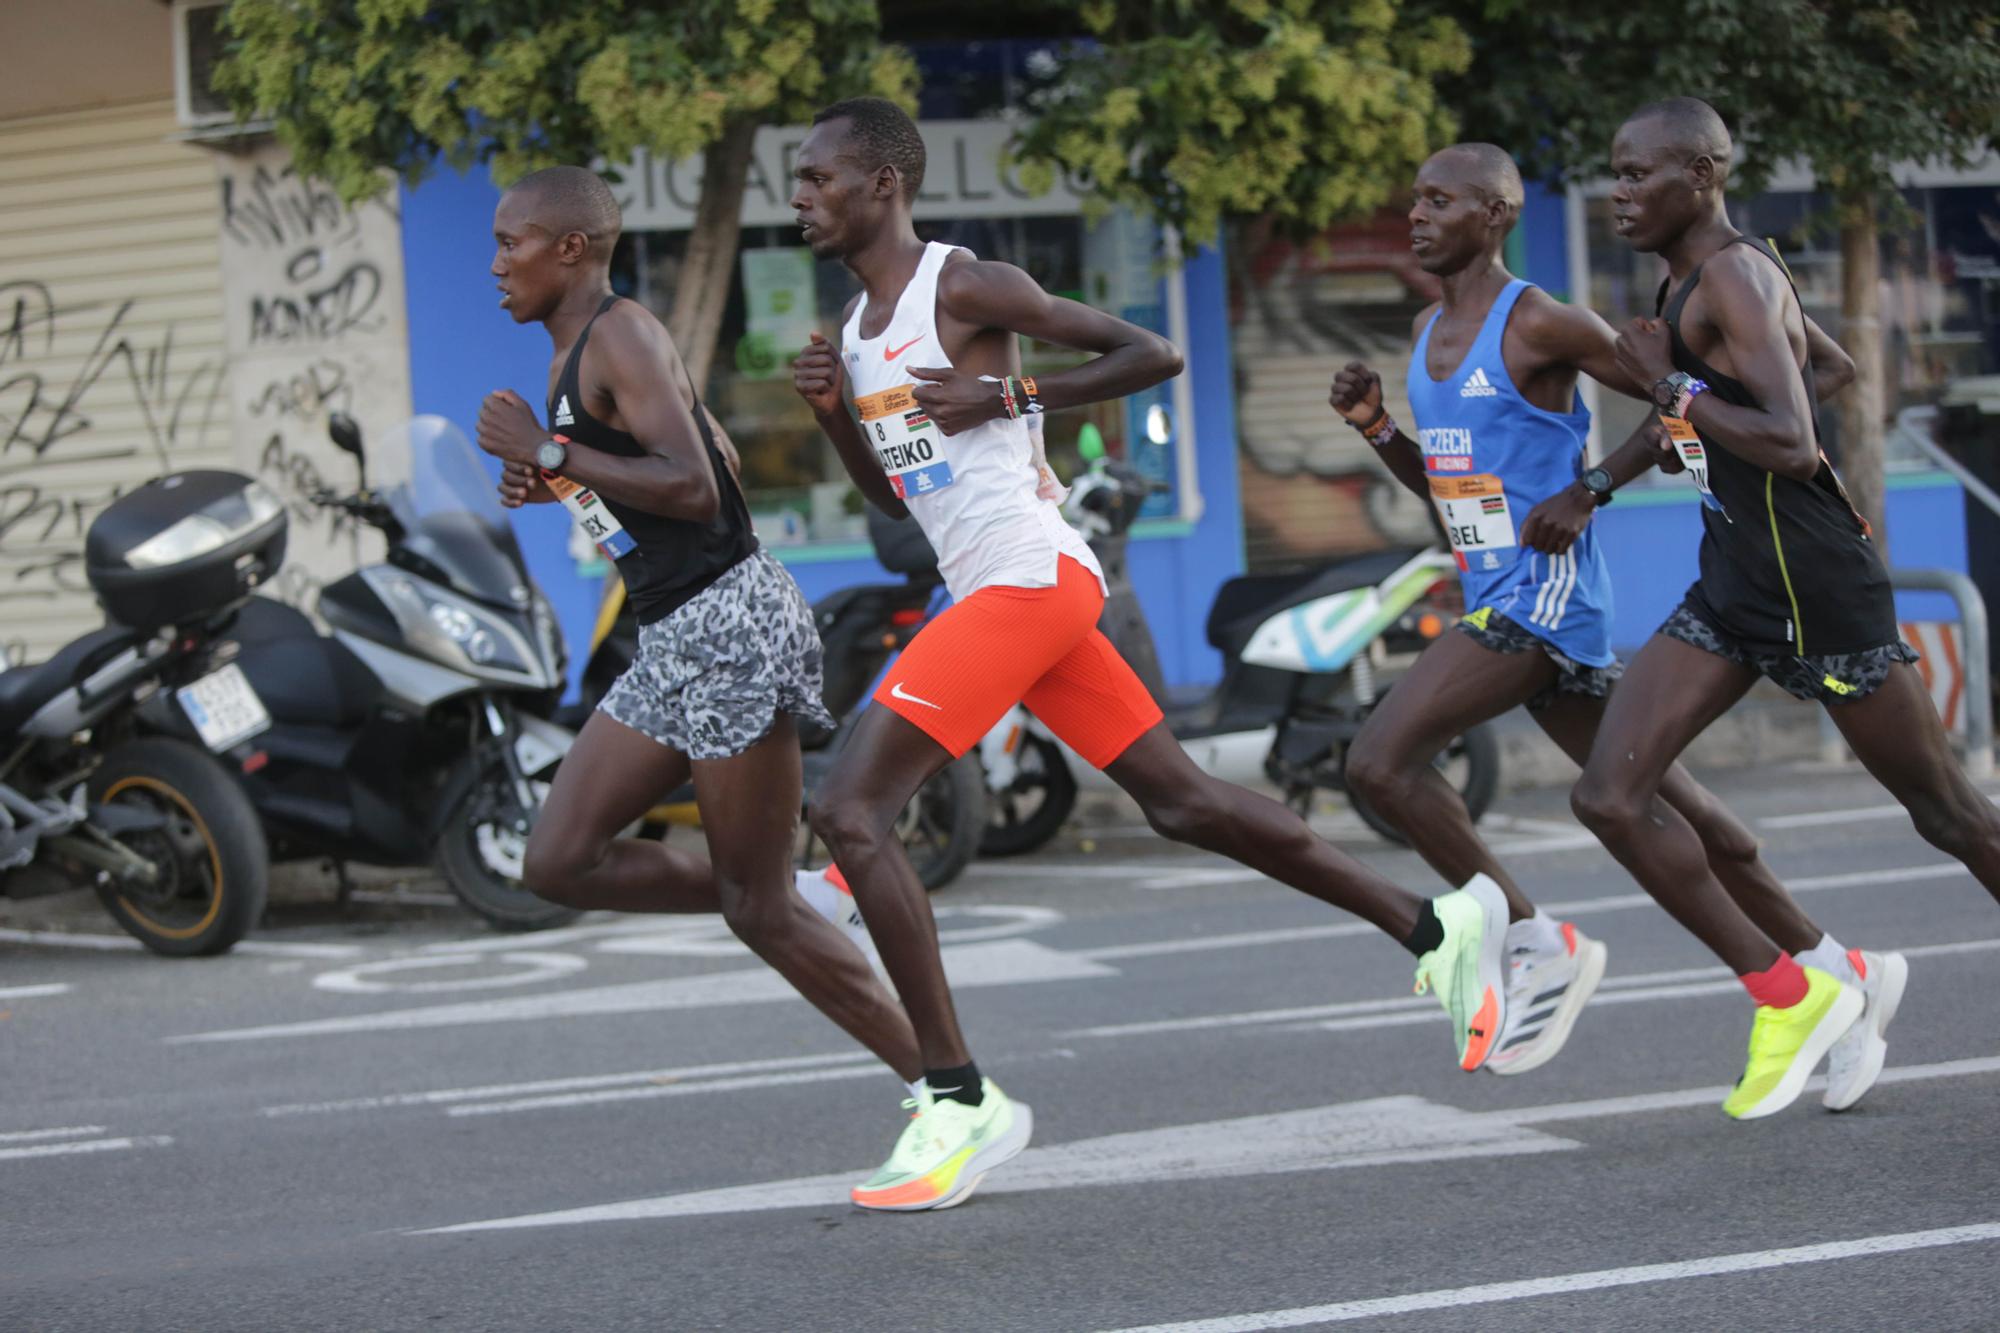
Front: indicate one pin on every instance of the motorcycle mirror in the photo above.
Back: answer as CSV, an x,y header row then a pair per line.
x,y
346,436
1159,424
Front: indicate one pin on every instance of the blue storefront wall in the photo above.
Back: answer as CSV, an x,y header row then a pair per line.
x,y
463,346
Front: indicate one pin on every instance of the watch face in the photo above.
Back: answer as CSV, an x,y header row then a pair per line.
x,y
550,455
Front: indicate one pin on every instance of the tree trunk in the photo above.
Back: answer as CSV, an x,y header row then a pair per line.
x,y
1860,407
703,292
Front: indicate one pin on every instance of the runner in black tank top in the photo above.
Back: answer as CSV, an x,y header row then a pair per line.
x,y
728,654
1791,588
673,559
1786,565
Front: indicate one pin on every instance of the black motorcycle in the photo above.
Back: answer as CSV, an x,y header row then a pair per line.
x,y
108,768
861,628
413,733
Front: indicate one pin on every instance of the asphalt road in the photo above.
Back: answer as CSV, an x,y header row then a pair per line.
x,y
391,1119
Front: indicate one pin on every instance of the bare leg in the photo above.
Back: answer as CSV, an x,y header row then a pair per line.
x,y
749,809
1669,695
1896,734
1187,805
854,812
1572,721
612,776
1456,684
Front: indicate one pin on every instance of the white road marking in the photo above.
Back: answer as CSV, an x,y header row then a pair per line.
x,y
85,1146
365,978
1356,1015
59,939
1381,1131
1378,1132
1817,818
30,1135
445,1096
572,1099
32,992
1568,1283
999,963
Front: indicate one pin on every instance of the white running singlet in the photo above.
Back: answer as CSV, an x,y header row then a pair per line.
x,y
974,493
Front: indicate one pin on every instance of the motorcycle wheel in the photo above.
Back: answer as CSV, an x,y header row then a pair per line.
x,y
1471,764
213,862
480,853
1035,806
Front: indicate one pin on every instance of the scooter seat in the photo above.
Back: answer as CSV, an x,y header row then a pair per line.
x,y
26,688
1244,603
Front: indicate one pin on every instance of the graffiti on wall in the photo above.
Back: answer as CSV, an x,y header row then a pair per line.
x,y
85,382
313,293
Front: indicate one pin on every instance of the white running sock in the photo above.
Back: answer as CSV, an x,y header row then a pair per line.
x,y
916,1090
1540,932
1829,957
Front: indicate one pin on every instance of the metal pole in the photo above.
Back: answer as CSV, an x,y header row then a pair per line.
x,y
1978,680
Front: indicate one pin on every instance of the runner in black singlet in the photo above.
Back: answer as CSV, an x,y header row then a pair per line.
x,y
728,653
1791,588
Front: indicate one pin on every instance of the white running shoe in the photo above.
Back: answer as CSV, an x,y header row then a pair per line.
x,y
826,892
1855,1061
1546,990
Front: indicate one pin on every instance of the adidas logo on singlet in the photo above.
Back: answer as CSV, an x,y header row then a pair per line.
x,y
563,415
1477,385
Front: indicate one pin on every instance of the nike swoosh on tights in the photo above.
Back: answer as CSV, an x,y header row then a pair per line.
x,y
897,691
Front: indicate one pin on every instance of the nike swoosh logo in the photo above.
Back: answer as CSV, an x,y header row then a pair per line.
x,y
891,353
898,692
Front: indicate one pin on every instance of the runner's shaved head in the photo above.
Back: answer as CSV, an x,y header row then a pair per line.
x,y
566,199
1485,167
1692,127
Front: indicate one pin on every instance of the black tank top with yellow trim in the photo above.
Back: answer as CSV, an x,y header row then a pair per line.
x,y
672,559
1786,566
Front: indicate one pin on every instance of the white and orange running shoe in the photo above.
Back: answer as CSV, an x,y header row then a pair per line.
x,y
1546,990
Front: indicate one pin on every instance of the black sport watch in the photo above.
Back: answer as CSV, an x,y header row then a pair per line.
x,y
1598,482
1667,389
550,455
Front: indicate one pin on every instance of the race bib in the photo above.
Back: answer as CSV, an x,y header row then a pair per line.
x,y
909,447
592,518
1476,518
1693,456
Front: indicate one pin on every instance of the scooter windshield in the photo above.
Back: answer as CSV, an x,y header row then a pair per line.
x,y
432,479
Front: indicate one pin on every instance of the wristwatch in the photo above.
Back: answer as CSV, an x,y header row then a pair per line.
x,y
1598,482
550,455
1667,391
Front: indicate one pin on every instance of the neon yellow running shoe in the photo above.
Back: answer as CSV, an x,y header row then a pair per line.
x,y
946,1150
1786,1044
1465,970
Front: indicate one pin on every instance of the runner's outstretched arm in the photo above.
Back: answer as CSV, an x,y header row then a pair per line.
x,y
819,379
1357,396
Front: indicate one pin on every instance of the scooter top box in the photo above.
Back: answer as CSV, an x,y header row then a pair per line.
x,y
184,546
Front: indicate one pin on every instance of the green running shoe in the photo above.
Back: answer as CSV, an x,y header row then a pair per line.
x,y
1465,971
946,1150
1785,1045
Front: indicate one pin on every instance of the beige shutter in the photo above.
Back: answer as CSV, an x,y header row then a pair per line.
x,y
112,364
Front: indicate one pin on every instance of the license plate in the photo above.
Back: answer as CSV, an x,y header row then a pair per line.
x,y
223,708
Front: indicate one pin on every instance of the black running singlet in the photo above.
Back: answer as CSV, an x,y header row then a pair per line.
x,y
672,559
1786,566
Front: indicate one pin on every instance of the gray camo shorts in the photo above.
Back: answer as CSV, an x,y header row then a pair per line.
x,y
712,674
1826,678
1496,633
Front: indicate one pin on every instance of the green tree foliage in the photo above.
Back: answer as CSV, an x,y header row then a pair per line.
x,y
1306,110
356,86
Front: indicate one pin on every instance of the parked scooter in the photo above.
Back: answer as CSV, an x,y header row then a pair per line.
x,y
860,629
412,733
108,773
1304,654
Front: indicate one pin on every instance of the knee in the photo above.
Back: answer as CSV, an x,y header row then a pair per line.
x,y
1724,838
553,863
1603,808
1376,778
1952,824
1195,816
759,920
844,822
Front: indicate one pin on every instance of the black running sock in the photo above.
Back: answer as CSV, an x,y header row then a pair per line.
x,y
959,1085
1429,932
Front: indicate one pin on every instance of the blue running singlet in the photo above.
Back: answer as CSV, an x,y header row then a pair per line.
x,y
1491,457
